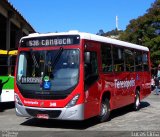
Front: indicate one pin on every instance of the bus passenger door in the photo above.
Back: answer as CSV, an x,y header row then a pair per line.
x,y
92,83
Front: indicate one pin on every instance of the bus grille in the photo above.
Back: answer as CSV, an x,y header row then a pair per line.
x,y
44,97
50,113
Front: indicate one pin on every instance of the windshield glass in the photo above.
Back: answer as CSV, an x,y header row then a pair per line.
x,y
48,70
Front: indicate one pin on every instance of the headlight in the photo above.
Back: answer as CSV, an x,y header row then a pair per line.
x,y
73,101
17,100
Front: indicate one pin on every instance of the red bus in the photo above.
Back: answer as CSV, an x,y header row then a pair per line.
x,y
76,76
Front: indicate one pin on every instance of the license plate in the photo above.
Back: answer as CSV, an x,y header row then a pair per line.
x,y
43,116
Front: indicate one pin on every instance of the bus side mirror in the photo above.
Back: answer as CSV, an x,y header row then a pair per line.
x,y
87,57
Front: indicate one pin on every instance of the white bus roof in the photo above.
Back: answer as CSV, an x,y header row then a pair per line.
x,y
93,37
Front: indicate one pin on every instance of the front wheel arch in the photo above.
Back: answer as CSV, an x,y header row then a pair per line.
x,y
104,110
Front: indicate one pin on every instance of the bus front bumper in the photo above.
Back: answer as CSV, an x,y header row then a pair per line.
x,y
73,113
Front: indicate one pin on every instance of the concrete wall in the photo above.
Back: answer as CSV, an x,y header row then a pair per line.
x,y
12,26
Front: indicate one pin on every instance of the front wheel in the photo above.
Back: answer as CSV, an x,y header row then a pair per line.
x,y
105,111
137,101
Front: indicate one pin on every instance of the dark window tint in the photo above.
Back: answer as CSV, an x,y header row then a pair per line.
x,y
118,57
106,58
3,65
138,60
145,62
129,60
91,70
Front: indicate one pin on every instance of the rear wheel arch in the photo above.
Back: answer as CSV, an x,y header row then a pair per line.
x,y
138,88
136,104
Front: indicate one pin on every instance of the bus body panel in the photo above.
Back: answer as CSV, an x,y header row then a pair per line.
x,y
120,87
7,65
61,103
56,103
7,95
93,91
124,96
92,101
146,86
73,113
7,89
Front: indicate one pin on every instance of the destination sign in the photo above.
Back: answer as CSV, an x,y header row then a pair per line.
x,y
31,80
50,41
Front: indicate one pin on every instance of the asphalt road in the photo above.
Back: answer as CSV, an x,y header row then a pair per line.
x,y
123,122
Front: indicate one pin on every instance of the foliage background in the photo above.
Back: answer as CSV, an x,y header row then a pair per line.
x,y
145,30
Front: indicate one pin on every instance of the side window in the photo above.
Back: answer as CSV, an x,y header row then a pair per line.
x,y
118,57
129,60
91,69
138,60
12,63
3,65
22,66
106,58
145,62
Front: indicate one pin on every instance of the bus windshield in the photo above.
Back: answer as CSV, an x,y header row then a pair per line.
x,y
59,68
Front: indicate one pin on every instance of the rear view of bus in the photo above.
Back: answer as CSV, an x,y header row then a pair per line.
x,y
7,65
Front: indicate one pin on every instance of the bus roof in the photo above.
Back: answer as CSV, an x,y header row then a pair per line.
x,y
6,52
93,37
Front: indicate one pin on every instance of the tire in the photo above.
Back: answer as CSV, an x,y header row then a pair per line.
x,y
105,111
136,105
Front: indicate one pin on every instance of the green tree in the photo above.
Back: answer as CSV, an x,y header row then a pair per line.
x,y
145,30
113,32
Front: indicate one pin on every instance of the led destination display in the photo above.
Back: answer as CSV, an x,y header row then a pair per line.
x,y
50,41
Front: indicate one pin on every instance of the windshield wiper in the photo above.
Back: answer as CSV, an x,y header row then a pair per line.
x,y
56,58
34,59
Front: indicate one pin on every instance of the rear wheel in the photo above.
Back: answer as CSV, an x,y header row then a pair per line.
x,y
137,101
105,111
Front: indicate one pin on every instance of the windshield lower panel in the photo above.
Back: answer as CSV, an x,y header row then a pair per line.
x,y
50,74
